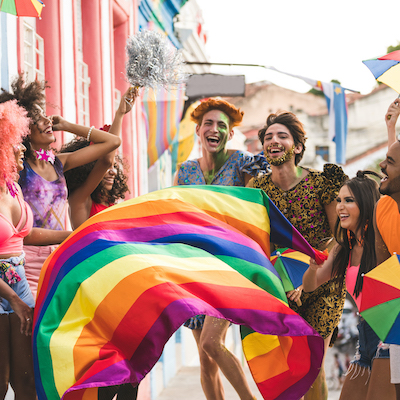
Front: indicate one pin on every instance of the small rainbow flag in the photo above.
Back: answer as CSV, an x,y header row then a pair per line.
x,y
114,292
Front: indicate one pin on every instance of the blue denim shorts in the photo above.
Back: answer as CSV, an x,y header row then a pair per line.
x,y
368,346
21,288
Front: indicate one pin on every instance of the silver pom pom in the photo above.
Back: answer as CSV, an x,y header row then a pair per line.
x,y
153,61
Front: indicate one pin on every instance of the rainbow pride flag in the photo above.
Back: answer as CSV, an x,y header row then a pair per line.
x,y
114,292
163,111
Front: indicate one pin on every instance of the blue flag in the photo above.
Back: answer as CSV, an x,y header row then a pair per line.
x,y
337,108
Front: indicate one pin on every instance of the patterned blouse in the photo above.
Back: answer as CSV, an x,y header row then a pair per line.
x,y
303,206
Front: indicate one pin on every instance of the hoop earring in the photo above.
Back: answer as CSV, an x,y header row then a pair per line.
x,y
349,237
361,243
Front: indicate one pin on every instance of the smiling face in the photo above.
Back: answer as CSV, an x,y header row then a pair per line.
x,y
214,131
19,153
390,167
41,135
108,179
279,145
347,210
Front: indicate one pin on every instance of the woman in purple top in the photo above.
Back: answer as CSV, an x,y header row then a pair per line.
x,y
215,120
42,180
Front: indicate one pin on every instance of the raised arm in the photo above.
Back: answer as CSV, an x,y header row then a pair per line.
x,y
391,118
316,274
103,143
79,200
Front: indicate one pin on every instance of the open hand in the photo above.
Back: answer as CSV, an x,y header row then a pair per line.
x,y
295,294
24,313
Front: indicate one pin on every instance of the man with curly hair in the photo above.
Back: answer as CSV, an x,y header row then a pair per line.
x,y
215,119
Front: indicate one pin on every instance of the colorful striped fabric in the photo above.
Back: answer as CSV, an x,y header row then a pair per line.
x,y
163,111
114,292
185,138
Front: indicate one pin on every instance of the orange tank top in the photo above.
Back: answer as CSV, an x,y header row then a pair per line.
x,y
388,223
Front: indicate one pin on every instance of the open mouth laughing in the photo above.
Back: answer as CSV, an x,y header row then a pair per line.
x,y
213,140
275,150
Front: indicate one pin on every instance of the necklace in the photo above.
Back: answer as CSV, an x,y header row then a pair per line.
x,y
45,155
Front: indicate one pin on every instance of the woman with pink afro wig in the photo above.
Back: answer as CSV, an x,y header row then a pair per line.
x,y
16,300
14,126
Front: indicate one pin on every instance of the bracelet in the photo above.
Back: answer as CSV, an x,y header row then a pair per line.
x,y
90,131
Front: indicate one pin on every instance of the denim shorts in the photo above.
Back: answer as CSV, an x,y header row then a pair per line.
x,y
369,346
21,288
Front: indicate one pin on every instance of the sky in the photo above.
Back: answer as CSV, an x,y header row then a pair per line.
x,y
318,39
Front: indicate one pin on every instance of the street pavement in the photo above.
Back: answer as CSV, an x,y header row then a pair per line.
x,y
186,384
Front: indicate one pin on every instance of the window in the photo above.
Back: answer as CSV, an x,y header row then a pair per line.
x,y
83,94
33,54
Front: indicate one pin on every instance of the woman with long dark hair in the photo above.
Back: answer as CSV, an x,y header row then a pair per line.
x,y
352,257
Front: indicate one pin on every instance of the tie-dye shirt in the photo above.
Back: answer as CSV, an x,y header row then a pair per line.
x,y
48,200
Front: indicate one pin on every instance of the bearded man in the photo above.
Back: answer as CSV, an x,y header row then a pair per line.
x,y
307,199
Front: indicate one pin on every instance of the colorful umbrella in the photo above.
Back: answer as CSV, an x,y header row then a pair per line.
x,y
22,8
380,303
386,69
290,265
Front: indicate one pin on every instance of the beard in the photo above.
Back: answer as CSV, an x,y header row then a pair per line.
x,y
286,156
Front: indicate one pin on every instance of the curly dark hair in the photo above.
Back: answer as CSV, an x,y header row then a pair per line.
x,y
76,177
366,193
29,96
293,124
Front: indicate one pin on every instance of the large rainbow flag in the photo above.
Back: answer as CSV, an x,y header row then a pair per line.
x,y
114,292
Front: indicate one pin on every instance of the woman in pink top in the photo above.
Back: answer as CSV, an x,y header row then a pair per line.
x,y
353,256
16,220
42,180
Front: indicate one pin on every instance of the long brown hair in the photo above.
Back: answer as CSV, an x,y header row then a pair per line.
x,y
366,193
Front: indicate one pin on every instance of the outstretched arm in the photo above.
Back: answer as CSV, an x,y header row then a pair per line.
x,y
391,118
45,237
316,274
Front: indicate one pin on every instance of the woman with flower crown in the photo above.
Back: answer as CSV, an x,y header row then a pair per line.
x,y
42,180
